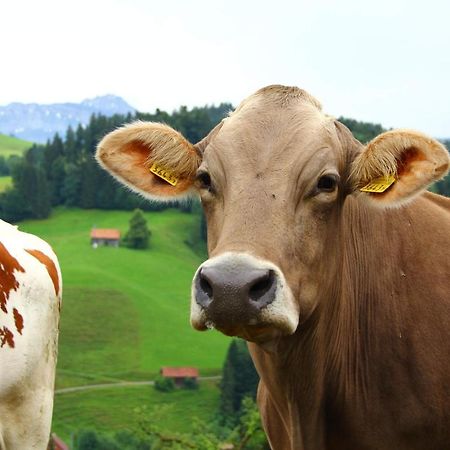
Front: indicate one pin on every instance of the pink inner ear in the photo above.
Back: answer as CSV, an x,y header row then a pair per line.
x,y
414,173
136,171
407,160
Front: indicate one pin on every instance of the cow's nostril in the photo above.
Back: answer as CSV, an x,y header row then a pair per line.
x,y
262,286
205,285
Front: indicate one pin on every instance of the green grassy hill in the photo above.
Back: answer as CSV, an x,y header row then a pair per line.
x,y
110,410
125,314
12,146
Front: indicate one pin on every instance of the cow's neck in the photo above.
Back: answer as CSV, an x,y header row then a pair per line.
x,y
326,365
293,377
363,299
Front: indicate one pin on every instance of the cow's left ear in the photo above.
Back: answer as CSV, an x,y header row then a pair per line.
x,y
150,158
397,165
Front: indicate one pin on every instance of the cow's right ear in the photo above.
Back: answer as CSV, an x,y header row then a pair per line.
x,y
151,159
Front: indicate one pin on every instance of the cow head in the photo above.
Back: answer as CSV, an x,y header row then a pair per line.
x,y
272,178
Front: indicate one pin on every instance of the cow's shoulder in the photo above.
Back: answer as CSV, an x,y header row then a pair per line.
x,y
27,253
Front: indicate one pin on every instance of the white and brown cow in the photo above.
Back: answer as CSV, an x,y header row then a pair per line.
x,y
327,255
30,297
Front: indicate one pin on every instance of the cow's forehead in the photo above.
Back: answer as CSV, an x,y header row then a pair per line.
x,y
264,129
280,95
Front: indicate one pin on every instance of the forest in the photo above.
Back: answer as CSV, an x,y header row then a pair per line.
x,y
64,171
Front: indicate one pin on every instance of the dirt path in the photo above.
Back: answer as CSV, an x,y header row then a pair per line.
x,y
88,387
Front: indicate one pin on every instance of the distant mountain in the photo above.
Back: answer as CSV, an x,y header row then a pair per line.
x,y
37,123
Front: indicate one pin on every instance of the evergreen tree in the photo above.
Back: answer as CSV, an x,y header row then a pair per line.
x,y
90,440
363,131
89,177
72,183
227,408
138,235
29,197
239,380
70,146
13,206
4,169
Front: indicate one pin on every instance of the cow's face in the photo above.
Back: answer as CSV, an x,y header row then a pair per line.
x,y
272,178
270,184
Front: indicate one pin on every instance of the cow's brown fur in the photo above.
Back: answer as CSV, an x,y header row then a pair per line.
x,y
8,281
370,369
367,367
49,265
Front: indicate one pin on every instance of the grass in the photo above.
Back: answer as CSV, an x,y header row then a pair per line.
x,y
12,146
116,409
125,314
5,182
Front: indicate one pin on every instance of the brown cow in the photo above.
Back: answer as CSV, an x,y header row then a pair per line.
x,y
342,293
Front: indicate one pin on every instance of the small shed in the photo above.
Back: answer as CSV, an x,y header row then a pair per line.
x,y
180,374
105,236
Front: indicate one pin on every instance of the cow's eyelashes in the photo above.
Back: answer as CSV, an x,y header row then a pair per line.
x,y
203,180
327,183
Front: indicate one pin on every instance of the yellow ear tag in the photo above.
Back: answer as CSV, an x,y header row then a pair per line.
x,y
379,185
164,174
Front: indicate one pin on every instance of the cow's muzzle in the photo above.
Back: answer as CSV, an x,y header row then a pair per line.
x,y
242,296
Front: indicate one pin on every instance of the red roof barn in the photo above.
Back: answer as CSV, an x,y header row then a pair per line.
x,y
179,374
105,236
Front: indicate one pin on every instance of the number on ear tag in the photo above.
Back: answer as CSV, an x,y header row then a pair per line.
x,y
164,174
379,185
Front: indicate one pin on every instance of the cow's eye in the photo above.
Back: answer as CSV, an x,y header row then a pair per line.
x,y
327,183
204,180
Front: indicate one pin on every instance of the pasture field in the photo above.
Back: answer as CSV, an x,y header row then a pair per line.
x,y
12,146
125,314
5,182
109,410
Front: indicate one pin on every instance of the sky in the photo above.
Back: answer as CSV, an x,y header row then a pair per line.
x,y
384,61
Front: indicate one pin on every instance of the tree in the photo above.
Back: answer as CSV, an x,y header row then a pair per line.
x,y
72,183
4,169
239,380
138,235
247,434
190,383
30,196
164,384
88,189
14,206
363,131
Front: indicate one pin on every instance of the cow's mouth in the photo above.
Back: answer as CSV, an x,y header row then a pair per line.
x,y
259,334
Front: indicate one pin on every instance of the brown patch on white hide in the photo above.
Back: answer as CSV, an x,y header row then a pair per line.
x,y
8,282
18,320
50,266
129,152
6,337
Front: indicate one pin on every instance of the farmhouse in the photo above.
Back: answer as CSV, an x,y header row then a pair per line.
x,y
179,374
105,236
